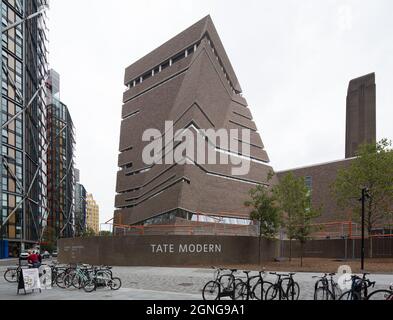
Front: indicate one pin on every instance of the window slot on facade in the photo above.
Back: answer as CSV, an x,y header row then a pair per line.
x,y
165,65
146,76
131,115
127,166
178,57
127,149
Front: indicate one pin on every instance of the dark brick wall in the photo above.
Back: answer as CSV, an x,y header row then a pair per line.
x,y
341,249
137,251
323,176
361,114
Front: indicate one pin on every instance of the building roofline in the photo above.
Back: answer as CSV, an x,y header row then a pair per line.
x,y
317,165
189,36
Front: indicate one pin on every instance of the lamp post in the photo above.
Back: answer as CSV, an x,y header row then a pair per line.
x,y
365,195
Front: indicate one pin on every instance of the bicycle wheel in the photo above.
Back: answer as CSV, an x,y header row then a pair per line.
x,y
211,291
76,281
323,294
259,290
60,280
293,292
350,295
272,293
241,291
337,292
381,295
89,285
115,284
68,280
11,275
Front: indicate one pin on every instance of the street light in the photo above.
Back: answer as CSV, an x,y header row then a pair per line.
x,y
365,196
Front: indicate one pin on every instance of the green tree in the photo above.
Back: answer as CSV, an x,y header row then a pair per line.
x,y
303,226
371,169
49,239
89,233
294,199
105,234
266,212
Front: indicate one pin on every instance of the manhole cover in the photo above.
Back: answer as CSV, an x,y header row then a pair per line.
x,y
186,284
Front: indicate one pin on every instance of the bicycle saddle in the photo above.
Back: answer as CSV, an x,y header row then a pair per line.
x,y
247,272
233,270
332,274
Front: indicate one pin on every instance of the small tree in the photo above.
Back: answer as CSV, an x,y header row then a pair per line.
x,y
105,234
294,199
89,233
265,211
372,169
302,227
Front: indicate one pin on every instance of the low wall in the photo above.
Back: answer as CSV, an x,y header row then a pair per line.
x,y
169,250
186,250
341,249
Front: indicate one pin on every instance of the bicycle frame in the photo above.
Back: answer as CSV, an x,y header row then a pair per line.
x,y
278,285
226,290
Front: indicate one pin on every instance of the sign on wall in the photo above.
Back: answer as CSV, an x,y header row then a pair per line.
x,y
186,248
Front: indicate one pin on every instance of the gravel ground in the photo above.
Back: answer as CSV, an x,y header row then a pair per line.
x,y
192,280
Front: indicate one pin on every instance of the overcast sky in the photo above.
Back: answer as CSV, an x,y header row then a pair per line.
x,y
294,60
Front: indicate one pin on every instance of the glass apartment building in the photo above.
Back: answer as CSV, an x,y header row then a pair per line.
x,y
60,158
23,188
80,209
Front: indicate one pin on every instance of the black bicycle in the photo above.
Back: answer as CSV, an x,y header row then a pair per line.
x,y
61,276
326,288
285,288
359,288
222,286
11,275
103,277
382,295
247,291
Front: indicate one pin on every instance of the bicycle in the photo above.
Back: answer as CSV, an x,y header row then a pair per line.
x,y
62,274
217,288
290,291
81,278
326,289
382,295
11,275
103,277
245,291
56,271
359,288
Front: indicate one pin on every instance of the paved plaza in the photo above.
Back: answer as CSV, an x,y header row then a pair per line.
x,y
147,283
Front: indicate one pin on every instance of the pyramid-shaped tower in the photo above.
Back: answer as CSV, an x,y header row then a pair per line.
x,y
189,81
